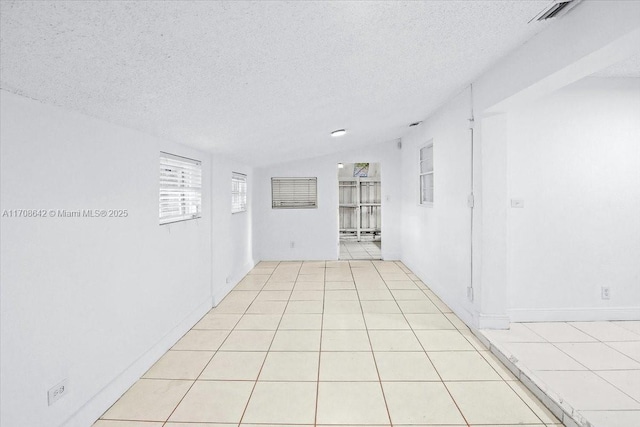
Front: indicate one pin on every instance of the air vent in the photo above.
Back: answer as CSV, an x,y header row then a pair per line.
x,y
414,124
556,9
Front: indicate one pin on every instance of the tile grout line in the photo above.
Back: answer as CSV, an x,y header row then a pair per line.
x,y
615,386
625,326
606,343
587,369
375,362
377,267
594,371
324,290
530,373
423,349
523,401
222,343
476,350
170,349
535,388
255,384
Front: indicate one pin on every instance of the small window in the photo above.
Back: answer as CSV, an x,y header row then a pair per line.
x,y
238,192
426,175
294,193
180,188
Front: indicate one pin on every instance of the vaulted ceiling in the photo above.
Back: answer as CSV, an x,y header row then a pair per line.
x,y
261,82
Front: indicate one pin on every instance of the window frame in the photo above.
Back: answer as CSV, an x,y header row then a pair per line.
x,y
180,188
240,193
312,204
421,201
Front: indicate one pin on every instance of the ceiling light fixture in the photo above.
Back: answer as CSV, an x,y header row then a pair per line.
x,y
340,165
338,132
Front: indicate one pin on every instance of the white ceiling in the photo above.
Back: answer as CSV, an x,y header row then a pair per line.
x,y
262,82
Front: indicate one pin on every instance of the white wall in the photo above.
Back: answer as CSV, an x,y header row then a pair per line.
x,y
232,233
574,158
315,231
436,240
97,300
561,54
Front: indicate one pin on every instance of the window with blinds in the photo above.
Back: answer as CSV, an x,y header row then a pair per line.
x,y
238,192
426,175
294,193
180,188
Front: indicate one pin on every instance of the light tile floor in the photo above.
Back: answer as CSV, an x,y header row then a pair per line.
x,y
333,343
360,250
590,369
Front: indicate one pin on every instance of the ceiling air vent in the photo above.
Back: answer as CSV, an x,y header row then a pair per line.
x,y
555,9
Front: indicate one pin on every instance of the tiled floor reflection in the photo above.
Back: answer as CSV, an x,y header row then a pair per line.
x,y
331,343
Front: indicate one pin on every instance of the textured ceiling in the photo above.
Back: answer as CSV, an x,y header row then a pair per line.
x,y
262,82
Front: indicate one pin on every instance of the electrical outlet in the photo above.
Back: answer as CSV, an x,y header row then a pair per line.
x,y
57,391
470,293
292,244
228,280
605,292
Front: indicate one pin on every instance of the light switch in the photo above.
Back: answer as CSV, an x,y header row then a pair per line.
x,y
517,203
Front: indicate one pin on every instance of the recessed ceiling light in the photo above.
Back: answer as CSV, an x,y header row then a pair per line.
x,y
338,132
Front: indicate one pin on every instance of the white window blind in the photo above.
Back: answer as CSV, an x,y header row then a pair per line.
x,y
238,192
180,188
426,175
294,193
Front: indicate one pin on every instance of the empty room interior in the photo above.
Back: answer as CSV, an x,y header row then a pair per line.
x,y
328,213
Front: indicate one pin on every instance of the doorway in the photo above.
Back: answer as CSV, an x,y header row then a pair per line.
x,y
360,211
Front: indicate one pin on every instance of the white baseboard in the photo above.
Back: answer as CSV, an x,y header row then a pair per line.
x,y
219,294
103,400
222,292
391,256
493,321
574,314
459,309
